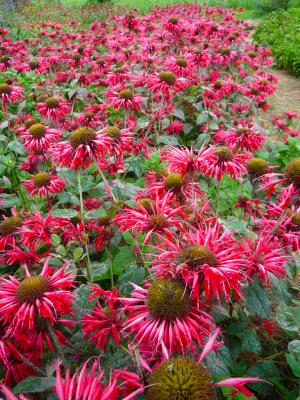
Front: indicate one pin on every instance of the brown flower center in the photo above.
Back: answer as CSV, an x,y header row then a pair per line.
x,y
37,130
33,288
82,136
181,62
126,94
195,256
292,170
168,299
223,153
113,132
257,166
5,88
158,220
52,102
167,77
41,178
174,181
10,225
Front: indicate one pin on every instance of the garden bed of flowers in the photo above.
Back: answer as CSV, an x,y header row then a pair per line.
x,y
149,230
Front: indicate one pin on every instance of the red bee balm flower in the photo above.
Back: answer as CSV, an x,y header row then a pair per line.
x,y
39,137
44,184
45,296
53,108
82,147
9,93
164,317
207,258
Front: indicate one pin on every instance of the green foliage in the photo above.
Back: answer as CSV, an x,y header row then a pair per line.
x,y
267,6
280,31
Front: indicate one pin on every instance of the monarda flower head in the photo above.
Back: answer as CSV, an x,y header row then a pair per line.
x,y
39,137
53,108
44,184
45,296
84,145
184,377
220,160
206,259
162,316
9,94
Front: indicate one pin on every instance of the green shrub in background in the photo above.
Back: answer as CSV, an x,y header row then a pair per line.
x,y
281,31
267,6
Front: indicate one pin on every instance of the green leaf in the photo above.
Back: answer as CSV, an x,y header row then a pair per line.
x,y
142,123
169,140
77,253
250,341
236,225
286,319
55,239
64,213
219,362
294,363
177,112
81,303
97,213
134,274
34,384
263,369
17,147
124,257
100,271
257,300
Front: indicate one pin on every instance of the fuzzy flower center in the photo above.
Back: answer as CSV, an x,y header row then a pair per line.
x,y
52,102
100,61
292,170
30,121
173,181
4,59
126,94
146,203
181,62
89,115
173,20
180,378
241,131
41,178
34,64
158,220
10,225
296,219
257,166
168,299
119,70
223,153
82,136
5,88
33,288
167,77
195,256
113,132
218,84
37,130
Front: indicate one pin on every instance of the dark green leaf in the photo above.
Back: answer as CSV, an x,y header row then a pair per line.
x,y
34,384
257,300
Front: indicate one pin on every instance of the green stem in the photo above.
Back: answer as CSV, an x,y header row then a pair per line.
x,y
105,182
38,370
111,273
218,196
54,340
88,263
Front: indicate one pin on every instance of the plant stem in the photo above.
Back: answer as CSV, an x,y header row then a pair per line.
x,y
88,263
31,365
218,196
54,340
105,182
111,273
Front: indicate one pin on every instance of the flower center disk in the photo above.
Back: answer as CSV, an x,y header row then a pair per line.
x,y
33,288
41,178
82,136
37,130
5,88
168,299
52,102
10,225
167,77
179,378
195,256
223,153
257,166
292,170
